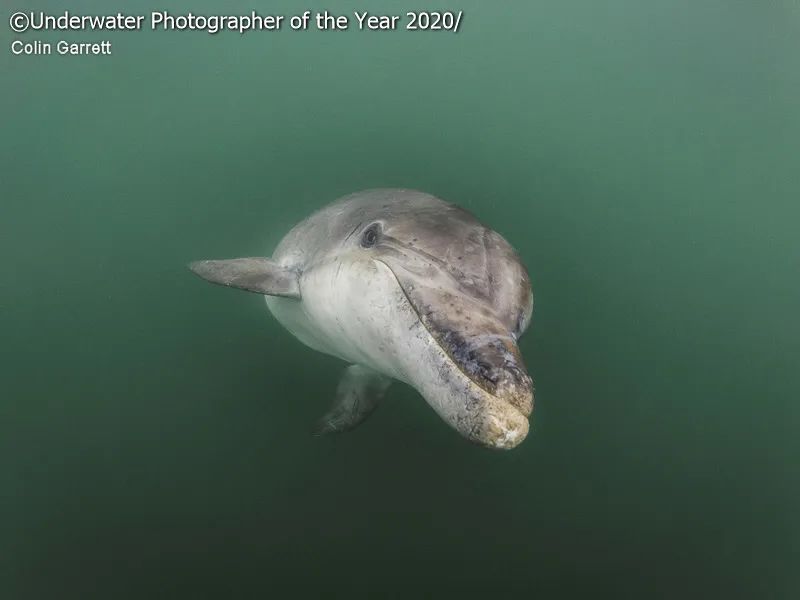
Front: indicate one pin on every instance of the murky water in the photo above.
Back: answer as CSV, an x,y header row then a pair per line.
x,y
643,158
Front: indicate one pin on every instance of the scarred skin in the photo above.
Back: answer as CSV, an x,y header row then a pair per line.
x,y
416,289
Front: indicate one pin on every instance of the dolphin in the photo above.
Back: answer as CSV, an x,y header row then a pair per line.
x,y
403,286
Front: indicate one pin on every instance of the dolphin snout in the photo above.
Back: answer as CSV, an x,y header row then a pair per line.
x,y
510,384
494,363
481,387
504,428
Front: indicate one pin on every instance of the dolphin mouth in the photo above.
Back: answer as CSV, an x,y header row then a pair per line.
x,y
478,345
491,362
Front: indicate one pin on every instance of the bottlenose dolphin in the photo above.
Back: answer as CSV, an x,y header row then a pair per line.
x,y
403,286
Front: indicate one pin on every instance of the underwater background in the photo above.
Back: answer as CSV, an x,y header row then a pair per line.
x,y
642,156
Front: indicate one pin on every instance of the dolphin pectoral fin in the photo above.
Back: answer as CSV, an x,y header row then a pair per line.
x,y
358,394
259,275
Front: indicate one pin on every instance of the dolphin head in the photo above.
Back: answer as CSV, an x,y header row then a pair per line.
x,y
419,289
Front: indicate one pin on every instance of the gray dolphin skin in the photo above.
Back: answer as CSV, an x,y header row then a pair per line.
x,y
404,286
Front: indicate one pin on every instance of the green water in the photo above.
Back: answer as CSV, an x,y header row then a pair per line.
x,y
643,157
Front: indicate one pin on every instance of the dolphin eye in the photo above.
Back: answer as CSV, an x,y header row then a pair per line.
x,y
370,236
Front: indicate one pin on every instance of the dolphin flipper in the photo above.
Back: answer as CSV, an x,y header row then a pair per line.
x,y
259,275
359,391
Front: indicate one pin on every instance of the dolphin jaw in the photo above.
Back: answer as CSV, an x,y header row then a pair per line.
x,y
508,432
506,403
506,380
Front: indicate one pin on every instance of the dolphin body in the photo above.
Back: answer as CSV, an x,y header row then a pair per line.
x,y
403,286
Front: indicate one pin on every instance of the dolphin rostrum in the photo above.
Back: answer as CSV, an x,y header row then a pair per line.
x,y
403,286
